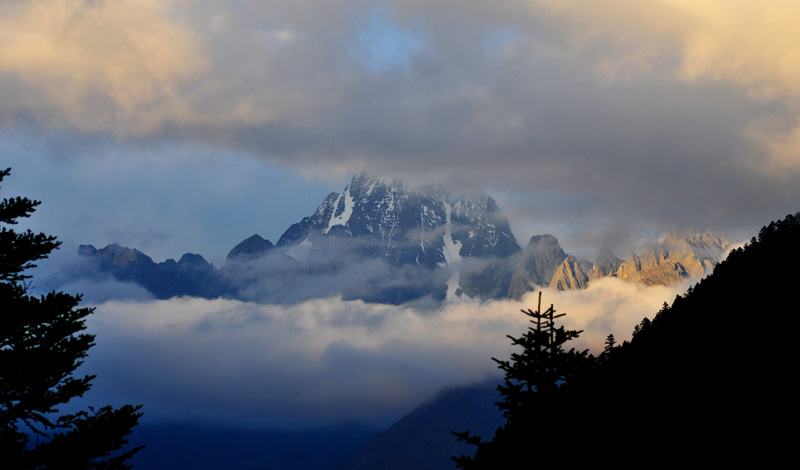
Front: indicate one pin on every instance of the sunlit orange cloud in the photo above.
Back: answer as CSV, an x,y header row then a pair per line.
x,y
96,64
752,45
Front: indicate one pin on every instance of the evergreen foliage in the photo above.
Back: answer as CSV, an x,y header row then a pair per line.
x,y
535,394
41,346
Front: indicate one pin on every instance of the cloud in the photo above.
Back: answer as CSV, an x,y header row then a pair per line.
x,y
608,306
95,65
717,40
326,360
100,290
142,67
780,140
753,47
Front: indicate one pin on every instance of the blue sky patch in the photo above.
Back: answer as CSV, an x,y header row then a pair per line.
x,y
382,44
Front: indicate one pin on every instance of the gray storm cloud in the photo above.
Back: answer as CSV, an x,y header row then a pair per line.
x,y
327,360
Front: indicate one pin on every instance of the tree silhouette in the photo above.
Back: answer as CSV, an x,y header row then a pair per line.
x,y
41,346
535,396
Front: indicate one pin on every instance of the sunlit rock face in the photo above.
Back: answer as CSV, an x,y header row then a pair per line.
x,y
676,258
572,274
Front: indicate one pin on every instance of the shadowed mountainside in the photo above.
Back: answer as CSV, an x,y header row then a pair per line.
x,y
423,439
707,380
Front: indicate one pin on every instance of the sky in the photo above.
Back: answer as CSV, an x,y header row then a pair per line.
x,y
176,126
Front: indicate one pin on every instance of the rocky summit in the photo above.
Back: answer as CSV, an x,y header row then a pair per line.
x,y
538,265
406,225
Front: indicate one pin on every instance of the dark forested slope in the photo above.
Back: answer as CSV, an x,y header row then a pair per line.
x,y
708,380
718,359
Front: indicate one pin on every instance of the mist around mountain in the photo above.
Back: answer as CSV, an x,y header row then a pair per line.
x,y
385,241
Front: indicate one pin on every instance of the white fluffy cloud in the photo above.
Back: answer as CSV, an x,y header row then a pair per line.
x,y
326,360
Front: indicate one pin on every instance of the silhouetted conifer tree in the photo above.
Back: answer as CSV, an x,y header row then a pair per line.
x,y
610,343
41,345
535,397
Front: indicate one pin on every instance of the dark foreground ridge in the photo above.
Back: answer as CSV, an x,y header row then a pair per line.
x,y
707,380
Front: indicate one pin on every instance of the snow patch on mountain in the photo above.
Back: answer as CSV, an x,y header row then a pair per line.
x,y
301,250
345,214
452,257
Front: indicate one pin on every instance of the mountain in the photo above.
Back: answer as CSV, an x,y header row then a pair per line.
x,y
383,240
380,240
676,258
679,256
715,362
572,274
249,249
538,264
192,275
190,445
606,264
405,225
424,440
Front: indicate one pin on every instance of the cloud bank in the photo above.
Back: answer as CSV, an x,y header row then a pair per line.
x,y
323,361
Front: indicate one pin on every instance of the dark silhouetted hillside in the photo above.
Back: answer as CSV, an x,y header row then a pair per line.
x,y
709,375
706,381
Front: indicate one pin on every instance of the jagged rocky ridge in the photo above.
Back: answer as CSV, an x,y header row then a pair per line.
x,y
383,240
192,275
677,257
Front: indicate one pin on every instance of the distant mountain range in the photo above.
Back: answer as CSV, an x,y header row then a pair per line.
x,y
383,240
